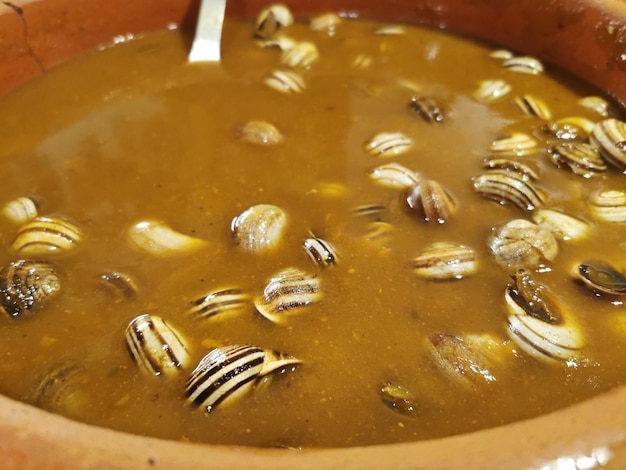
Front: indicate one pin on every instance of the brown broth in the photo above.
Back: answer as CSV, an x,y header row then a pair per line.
x,y
132,132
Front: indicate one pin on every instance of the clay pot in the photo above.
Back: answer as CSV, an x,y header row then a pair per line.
x,y
586,37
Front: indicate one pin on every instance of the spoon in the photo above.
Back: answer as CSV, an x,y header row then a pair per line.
x,y
206,42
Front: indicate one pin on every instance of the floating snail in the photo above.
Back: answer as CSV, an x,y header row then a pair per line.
x,y
608,205
602,277
387,144
537,323
26,285
431,201
45,235
533,107
398,398
516,144
491,90
609,135
156,238
562,226
326,22
260,133
520,243
509,186
523,64
271,20
286,81
219,302
456,359
228,373
20,210
394,175
259,228
155,346
426,108
445,260
302,54
320,251
286,293
581,158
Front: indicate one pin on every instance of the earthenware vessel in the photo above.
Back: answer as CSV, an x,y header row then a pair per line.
x,y
586,37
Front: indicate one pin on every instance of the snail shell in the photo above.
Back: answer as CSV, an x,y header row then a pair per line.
x,y
398,398
609,136
122,286
582,158
491,90
26,285
516,144
271,20
286,81
157,238
426,108
523,64
302,54
509,186
602,277
520,243
596,104
523,169
573,128
155,346
320,251
536,322
394,175
259,228
533,107
228,373
62,388
445,260
220,302
326,22
431,201
457,360
45,235
387,144
260,133
20,210
287,293
608,205
562,226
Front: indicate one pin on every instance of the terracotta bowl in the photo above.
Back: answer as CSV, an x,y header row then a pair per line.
x,y
586,37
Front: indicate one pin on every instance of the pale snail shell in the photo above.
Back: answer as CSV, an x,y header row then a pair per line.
x,y
219,302
445,260
520,243
155,346
287,293
45,235
158,239
228,373
259,228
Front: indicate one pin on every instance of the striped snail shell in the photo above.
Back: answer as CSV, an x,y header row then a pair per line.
x,y
228,373
155,346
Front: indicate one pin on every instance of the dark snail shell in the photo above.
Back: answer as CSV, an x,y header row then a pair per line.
x,y
26,285
602,277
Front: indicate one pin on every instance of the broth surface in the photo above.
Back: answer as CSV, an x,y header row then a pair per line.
x,y
133,133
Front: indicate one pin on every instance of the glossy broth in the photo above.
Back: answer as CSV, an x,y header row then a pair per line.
x,y
132,132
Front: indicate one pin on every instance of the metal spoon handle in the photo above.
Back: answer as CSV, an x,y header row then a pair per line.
x,y
206,42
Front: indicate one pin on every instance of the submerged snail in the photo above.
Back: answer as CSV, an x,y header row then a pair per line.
x,y
228,373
